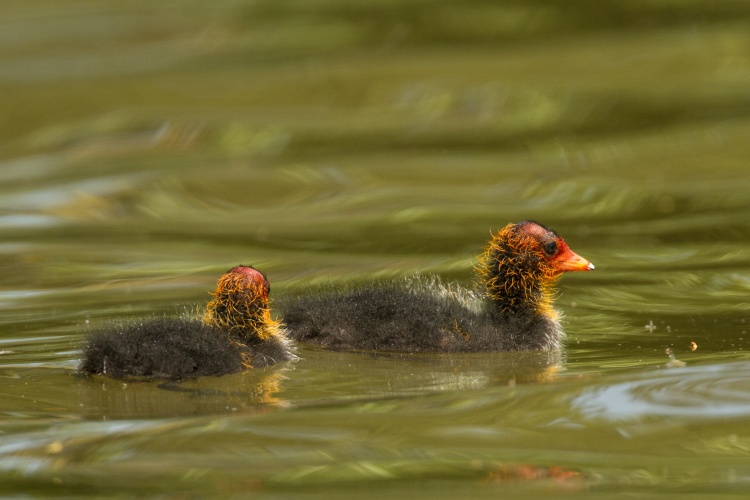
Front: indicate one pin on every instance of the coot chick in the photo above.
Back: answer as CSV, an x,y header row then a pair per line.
x,y
235,333
510,309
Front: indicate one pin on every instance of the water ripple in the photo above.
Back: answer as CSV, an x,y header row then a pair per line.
x,y
697,392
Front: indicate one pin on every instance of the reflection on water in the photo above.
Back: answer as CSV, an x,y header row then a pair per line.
x,y
356,377
147,147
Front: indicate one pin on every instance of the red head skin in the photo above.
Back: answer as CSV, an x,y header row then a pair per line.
x,y
248,278
563,258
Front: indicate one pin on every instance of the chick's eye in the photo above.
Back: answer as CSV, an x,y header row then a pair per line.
x,y
550,248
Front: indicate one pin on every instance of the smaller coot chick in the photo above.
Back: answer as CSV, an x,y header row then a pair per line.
x,y
235,333
510,309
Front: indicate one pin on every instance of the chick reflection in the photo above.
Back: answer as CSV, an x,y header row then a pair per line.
x,y
370,374
248,391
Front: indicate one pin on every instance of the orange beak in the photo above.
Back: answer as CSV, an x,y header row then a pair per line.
x,y
568,260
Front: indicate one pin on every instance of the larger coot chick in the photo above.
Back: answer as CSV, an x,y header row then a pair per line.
x,y
509,310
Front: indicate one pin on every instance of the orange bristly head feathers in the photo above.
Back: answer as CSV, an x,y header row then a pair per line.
x,y
521,265
239,305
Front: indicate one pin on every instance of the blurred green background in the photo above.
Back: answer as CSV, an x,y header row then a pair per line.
x,y
146,147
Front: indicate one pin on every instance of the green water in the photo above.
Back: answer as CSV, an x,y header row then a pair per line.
x,y
147,147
